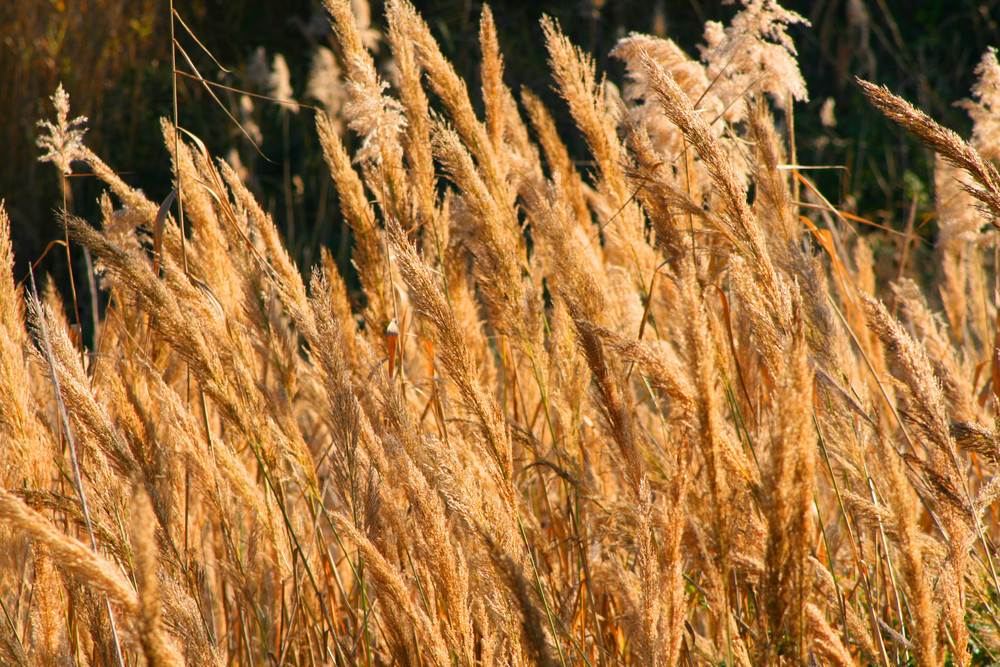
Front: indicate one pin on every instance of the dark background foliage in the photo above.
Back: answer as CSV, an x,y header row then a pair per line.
x,y
113,57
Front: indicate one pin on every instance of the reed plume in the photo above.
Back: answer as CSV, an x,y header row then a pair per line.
x,y
609,410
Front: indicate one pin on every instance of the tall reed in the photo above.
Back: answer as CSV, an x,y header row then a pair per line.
x,y
620,413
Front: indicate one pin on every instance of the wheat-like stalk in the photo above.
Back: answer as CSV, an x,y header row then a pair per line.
x,y
617,413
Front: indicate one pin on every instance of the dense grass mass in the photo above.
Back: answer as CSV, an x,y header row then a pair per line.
x,y
651,409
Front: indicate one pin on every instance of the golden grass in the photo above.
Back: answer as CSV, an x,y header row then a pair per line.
x,y
620,415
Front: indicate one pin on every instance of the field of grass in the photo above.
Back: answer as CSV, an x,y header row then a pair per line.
x,y
661,407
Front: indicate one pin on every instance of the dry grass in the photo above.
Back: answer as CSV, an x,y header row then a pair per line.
x,y
626,414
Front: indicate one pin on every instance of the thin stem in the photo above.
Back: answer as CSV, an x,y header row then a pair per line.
x,y
177,166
